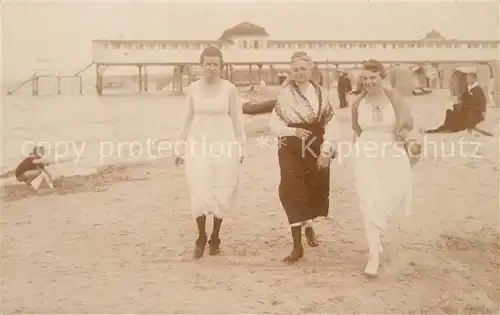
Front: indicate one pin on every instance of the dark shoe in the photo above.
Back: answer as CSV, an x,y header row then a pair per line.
x,y
214,238
311,237
298,250
214,244
201,242
296,254
199,247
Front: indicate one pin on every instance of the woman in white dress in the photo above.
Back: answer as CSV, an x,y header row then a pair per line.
x,y
304,120
212,139
383,177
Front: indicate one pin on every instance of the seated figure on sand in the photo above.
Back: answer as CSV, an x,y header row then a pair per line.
x,y
468,112
33,169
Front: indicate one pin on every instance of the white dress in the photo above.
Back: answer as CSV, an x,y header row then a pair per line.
x,y
212,152
382,172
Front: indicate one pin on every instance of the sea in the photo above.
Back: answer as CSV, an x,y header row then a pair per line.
x,y
89,130
126,126
122,126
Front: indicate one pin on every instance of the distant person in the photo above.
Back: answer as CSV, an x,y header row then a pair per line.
x,y
213,118
316,76
474,103
453,122
492,91
343,88
281,78
33,169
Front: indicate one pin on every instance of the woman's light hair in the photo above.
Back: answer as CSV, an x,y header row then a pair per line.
x,y
302,56
374,66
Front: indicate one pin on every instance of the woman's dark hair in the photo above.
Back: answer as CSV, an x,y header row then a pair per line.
x,y
373,66
36,149
211,51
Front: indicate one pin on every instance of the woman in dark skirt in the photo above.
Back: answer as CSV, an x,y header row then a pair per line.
x,y
304,120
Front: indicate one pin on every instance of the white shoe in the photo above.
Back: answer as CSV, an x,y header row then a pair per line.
x,y
371,269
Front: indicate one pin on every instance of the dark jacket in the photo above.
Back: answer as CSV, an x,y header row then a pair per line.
x,y
474,105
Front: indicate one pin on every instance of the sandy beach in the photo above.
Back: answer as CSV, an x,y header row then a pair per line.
x,y
121,240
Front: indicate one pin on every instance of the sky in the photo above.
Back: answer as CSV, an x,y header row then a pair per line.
x,y
63,31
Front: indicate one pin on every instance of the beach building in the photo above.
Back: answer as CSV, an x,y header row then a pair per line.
x,y
251,51
252,56
247,44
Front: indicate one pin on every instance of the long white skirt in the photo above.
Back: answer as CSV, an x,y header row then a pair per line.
x,y
214,180
383,177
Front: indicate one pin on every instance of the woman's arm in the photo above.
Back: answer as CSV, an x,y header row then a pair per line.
x,y
187,121
332,133
354,117
278,126
49,160
236,110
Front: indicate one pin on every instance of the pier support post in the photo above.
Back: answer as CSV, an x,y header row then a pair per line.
x,y
259,72
80,79
250,80
181,79
98,79
272,75
35,86
140,77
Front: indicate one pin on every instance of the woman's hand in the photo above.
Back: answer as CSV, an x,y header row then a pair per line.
x,y
302,133
402,134
323,160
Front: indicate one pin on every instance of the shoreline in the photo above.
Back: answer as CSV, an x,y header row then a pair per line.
x,y
96,177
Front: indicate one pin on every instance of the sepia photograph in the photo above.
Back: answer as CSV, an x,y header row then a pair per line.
x,y
250,157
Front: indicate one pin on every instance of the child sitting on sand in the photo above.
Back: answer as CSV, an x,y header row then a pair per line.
x,y
32,170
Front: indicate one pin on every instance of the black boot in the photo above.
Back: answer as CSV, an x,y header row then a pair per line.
x,y
298,250
214,238
311,237
202,237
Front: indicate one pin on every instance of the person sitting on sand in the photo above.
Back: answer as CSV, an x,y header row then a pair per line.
x,y
305,123
453,121
468,113
474,103
32,170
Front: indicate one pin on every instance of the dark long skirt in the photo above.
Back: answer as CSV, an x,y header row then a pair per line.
x,y
304,188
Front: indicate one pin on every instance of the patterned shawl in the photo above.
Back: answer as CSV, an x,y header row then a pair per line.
x,y
294,108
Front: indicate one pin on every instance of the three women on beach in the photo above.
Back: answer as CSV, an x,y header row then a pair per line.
x,y
303,117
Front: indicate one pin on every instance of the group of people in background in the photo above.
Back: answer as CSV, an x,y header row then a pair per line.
x,y
303,115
